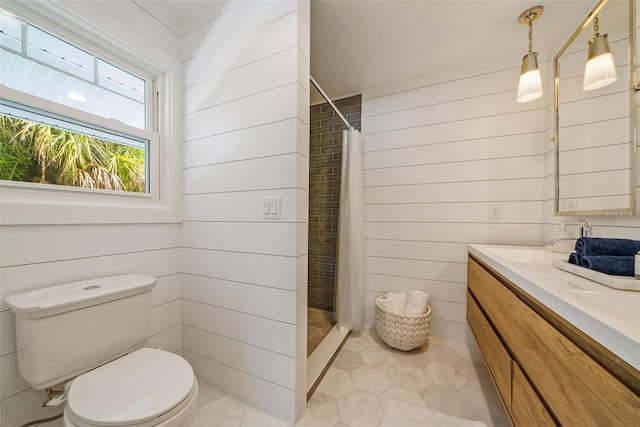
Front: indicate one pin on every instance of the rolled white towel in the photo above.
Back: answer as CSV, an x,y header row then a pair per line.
x,y
401,299
416,303
388,301
393,302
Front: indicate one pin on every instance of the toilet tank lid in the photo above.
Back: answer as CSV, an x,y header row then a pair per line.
x,y
72,296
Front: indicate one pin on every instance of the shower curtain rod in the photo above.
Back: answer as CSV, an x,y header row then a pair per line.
x,y
324,95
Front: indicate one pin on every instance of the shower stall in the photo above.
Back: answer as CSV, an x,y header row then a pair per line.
x,y
328,120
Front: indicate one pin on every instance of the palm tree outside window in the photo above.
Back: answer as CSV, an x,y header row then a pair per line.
x,y
40,146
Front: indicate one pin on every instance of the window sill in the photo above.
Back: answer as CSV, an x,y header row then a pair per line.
x,y
25,205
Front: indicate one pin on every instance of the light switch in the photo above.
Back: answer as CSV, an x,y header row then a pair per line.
x,y
266,208
275,208
271,207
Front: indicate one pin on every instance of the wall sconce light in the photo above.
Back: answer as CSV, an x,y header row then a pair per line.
x,y
600,69
530,85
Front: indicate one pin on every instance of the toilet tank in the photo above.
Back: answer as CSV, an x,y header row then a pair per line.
x,y
65,330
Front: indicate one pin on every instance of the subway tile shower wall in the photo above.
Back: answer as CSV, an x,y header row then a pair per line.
x,y
325,157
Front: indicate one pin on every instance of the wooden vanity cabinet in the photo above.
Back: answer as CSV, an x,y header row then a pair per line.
x,y
550,378
527,409
496,356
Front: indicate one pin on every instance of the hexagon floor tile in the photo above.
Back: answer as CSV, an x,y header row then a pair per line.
x,y
370,384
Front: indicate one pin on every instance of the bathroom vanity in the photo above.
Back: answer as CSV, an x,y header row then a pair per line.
x,y
561,350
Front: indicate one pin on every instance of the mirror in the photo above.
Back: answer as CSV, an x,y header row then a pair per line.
x,y
595,130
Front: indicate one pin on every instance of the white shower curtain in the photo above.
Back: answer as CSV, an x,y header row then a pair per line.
x,y
350,265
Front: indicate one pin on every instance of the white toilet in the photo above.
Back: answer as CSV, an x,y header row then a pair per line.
x,y
92,332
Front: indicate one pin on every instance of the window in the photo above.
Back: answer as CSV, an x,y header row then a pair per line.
x,y
37,146
75,118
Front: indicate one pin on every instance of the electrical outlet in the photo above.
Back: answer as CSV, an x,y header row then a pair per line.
x,y
570,205
495,211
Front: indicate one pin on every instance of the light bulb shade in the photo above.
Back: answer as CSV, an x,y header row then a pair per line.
x,y
600,69
530,86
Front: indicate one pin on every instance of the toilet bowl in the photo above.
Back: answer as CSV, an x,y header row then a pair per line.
x,y
148,387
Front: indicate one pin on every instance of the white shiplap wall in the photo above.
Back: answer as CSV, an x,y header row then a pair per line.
x,y
36,256
246,137
438,153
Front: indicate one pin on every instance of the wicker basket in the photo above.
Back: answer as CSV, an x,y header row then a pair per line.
x,y
402,332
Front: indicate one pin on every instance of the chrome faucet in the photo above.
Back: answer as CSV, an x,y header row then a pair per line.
x,y
559,239
584,229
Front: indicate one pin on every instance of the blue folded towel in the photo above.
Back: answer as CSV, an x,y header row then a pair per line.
x,y
608,264
574,258
608,256
602,246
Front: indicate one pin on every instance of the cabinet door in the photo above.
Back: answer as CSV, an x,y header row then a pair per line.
x,y
526,407
497,358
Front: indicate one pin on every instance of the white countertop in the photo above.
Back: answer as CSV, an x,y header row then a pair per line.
x,y
609,316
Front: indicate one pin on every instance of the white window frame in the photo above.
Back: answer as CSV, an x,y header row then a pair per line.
x,y
29,203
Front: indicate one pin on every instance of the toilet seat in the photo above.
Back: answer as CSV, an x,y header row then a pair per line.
x,y
145,388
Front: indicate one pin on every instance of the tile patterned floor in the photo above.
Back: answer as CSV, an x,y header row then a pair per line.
x,y
367,380
367,377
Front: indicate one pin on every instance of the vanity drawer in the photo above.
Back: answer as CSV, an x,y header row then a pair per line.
x,y
526,407
497,358
576,389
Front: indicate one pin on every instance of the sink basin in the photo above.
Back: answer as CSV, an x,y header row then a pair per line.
x,y
520,255
611,303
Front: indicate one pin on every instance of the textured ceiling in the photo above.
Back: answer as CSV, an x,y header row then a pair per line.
x,y
358,45
361,44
